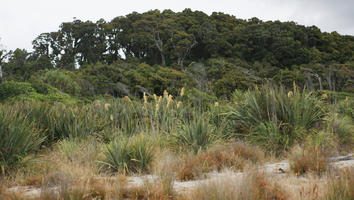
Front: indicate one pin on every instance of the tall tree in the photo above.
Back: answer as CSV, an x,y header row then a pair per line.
x,y
3,55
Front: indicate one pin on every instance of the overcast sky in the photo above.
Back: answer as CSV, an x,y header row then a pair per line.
x,y
23,20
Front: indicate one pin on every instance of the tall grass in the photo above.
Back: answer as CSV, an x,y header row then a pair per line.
x,y
341,187
275,118
342,127
311,159
129,155
197,134
18,138
59,121
254,185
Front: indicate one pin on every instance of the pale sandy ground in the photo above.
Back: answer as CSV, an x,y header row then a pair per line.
x,y
289,180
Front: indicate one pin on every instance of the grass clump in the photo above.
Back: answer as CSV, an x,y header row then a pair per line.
x,y
129,155
341,187
274,118
255,185
18,138
342,128
308,159
197,134
234,156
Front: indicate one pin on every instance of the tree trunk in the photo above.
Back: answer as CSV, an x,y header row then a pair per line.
x,y
0,73
163,61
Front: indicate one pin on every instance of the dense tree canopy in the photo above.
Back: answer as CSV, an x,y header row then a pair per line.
x,y
157,50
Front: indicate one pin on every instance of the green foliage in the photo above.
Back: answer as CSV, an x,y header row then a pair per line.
x,y
129,155
61,81
18,138
283,117
58,121
22,91
342,127
346,107
11,89
197,134
198,98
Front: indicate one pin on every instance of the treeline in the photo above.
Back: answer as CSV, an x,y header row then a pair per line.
x,y
215,53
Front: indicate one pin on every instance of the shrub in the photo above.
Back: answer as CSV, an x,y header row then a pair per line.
x,y
82,151
59,121
197,134
62,81
129,155
11,89
342,128
198,98
346,107
22,91
18,138
270,114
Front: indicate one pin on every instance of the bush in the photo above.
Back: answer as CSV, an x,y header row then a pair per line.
x,y
346,107
18,138
128,155
342,128
273,118
12,89
198,98
22,91
197,134
59,121
62,81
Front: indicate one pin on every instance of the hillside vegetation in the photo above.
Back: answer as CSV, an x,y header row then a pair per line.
x,y
176,95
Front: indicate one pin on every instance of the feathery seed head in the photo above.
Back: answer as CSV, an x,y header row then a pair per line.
x,y
290,94
126,98
179,104
106,106
165,94
182,92
145,98
169,100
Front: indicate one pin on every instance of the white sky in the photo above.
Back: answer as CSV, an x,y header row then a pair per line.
x,y
21,21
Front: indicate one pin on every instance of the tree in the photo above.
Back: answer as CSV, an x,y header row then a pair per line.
x,y
153,24
3,55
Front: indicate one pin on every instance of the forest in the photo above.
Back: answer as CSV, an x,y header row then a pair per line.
x,y
178,96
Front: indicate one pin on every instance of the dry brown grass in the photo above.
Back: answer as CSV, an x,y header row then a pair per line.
x,y
92,188
311,187
4,195
234,156
309,159
254,185
189,167
342,185
150,190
